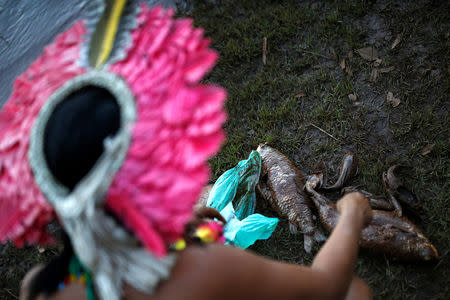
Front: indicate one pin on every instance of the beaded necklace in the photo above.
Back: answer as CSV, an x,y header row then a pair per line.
x,y
206,233
78,273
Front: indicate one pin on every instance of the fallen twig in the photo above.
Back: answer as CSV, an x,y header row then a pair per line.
x,y
9,292
317,127
264,55
315,53
396,41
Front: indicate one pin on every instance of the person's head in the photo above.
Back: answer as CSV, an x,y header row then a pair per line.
x,y
74,134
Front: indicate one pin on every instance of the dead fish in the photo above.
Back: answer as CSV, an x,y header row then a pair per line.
x,y
390,194
376,202
281,184
264,190
387,234
347,169
400,193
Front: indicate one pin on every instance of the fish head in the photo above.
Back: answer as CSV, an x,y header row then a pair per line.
x,y
350,189
428,251
314,181
349,162
263,147
265,150
391,180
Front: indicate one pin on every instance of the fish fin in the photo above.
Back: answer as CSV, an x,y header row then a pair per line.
x,y
319,236
351,189
321,167
390,195
293,228
392,181
308,242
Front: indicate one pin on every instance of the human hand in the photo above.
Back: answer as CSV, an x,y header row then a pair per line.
x,y
201,215
205,212
355,204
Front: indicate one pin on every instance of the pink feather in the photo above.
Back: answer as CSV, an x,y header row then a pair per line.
x,y
178,128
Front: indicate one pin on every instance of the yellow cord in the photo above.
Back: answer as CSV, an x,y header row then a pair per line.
x,y
110,32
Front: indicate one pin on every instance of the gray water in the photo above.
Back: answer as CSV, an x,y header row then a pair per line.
x,y
26,26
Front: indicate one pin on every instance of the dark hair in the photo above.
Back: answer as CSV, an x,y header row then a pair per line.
x,y
73,142
47,279
74,134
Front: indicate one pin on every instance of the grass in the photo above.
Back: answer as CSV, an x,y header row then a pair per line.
x,y
262,106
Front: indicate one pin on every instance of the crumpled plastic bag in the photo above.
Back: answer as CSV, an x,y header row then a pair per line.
x,y
233,195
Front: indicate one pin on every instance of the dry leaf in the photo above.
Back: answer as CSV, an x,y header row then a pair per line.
x,y
357,103
368,53
343,64
300,95
350,54
377,62
425,71
373,75
335,57
352,97
386,70
396,41
264,50
391,99
427,149
41,249
435,73
349,71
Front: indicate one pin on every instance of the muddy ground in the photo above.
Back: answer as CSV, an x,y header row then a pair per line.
x,y
315,77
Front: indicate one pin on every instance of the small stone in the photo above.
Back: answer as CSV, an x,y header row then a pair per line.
x,y
435,73
373,75
352,97
391,99
377,62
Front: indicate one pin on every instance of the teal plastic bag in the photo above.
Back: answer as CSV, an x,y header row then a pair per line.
x,y
233,195
238,185
244,233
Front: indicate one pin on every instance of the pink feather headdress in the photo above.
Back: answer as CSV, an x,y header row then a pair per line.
x,y
178,127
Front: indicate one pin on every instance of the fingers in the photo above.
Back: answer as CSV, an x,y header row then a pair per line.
x,y
205,212
356,203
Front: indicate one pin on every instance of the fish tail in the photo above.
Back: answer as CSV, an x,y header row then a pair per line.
x,y
319,236
308,242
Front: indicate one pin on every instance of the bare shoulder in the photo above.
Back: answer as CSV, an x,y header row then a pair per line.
x,y
222,272
73,291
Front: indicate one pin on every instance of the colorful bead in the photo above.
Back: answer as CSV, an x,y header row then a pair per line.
x,y
205,234
72,278
179,245
77,273
210,232
61,286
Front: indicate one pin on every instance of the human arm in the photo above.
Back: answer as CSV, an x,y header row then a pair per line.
x,y
218,272
330,275
221,272
338,256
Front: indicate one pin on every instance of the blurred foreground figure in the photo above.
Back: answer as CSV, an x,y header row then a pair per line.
x,y
108,133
